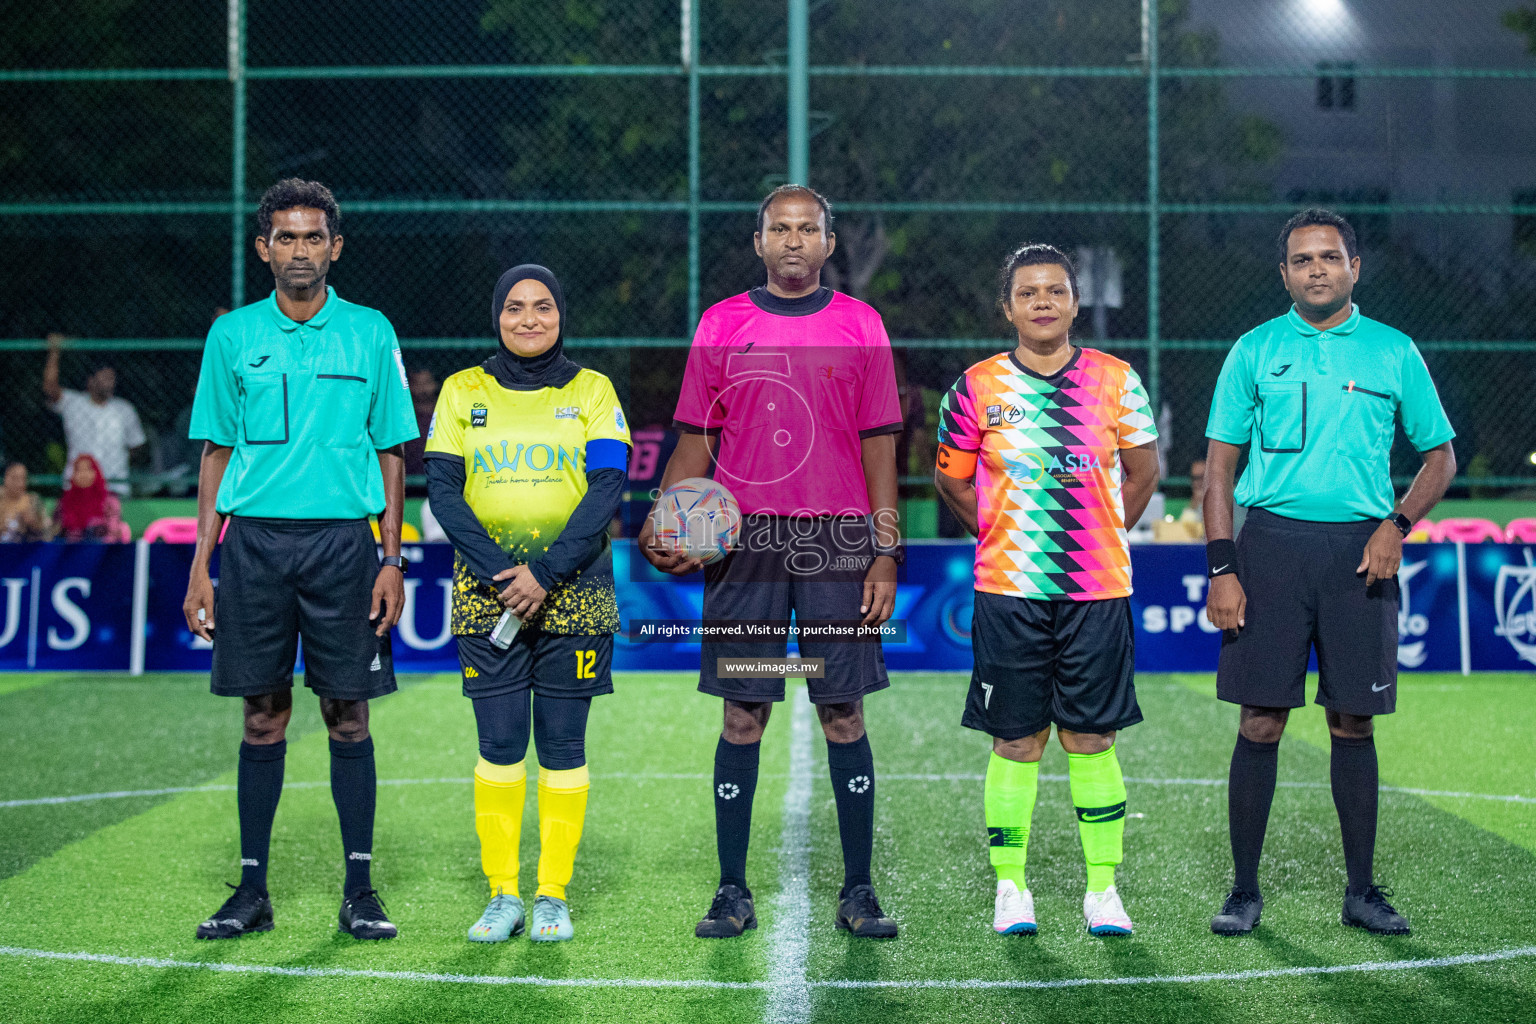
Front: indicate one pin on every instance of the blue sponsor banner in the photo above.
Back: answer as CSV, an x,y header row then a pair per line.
x,y
1428,616
66,607
70,608
421,642
1501,606
169,645
1173,634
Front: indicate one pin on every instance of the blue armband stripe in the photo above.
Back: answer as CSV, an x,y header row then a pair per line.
x,y
607,453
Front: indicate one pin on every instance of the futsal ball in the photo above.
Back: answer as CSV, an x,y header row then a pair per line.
x,y
697,517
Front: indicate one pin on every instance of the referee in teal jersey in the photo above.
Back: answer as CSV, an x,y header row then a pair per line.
x,y
303,407
1316,396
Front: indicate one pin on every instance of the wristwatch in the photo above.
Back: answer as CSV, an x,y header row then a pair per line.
x,y
895,551
398,561
1403,523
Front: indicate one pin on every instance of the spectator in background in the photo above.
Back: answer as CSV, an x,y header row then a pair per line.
x,y
95,422
21,510
88,511
424,388
1194,512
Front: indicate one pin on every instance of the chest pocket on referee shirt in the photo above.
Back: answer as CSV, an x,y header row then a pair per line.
x,y
264,408
1365,422
1283,415
340,409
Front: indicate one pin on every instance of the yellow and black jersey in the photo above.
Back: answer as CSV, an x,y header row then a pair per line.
x,y
525,470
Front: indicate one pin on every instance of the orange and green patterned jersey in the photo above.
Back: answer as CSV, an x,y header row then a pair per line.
x,y
525,472
1044,452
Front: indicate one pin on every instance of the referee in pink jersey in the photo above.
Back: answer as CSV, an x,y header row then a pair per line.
x,y
789,400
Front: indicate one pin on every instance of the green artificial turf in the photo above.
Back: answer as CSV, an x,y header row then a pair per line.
x,y
132,877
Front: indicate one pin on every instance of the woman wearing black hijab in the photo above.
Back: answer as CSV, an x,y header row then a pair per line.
x,y
526,460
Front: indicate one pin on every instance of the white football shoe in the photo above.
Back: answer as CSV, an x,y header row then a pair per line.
x,y
1014,911
1105,913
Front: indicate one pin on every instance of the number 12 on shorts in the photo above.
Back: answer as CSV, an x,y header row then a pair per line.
x,y
586,664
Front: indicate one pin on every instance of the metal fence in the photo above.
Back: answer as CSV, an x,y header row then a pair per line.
x,y
626,145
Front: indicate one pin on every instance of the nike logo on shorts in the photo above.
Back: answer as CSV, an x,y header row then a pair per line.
x,y
1378,689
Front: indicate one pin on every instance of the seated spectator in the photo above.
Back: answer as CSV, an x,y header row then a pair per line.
x,y
21,510
95,422
88,511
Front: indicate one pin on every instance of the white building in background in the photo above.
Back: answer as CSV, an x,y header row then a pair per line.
x,y
1406,140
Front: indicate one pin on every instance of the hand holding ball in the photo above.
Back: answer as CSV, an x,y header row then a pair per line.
x,y
697,517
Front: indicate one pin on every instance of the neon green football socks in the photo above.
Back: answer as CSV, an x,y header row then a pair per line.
x,y
1010,802
1098,793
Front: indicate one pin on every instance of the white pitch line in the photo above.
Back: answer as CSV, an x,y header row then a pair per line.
x,y
122,794
342,972
1405,790
1368,967
789,939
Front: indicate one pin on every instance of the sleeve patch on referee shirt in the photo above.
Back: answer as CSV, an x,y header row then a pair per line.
x,y
405,381
618,417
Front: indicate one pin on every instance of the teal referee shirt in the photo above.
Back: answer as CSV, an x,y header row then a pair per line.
x,y
1318,411
304,406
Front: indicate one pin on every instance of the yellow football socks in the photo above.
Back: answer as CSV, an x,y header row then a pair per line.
x,y
499,793
562,809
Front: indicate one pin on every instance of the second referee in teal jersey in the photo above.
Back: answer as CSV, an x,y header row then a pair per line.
x,y
303,407
1316,396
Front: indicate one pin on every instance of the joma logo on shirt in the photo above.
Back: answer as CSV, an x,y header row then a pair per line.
x,y
535,457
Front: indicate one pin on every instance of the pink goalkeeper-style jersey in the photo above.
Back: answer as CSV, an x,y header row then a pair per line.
x,y
792,387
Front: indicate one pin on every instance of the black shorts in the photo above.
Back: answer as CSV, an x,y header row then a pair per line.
x,y
280,579
813,567
1071,663
554,664
1303,592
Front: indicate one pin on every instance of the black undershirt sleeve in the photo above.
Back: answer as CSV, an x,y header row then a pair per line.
x,y
585,533
445,490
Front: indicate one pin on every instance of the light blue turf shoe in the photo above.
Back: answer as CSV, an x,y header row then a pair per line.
x,y
551,921
503,918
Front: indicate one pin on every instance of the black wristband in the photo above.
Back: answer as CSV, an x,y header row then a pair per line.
x,y
1220,558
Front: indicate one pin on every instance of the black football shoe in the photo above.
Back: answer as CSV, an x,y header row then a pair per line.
x,y
730,913
247,910
362,916
1239,914
859,913
1371,911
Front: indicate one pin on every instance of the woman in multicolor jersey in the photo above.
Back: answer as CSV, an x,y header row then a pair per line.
x,y
525,467
1046,454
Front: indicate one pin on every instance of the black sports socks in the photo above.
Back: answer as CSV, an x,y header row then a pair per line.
x,y
1352,770
354,788
852,767
735,784
258,787
1250,791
